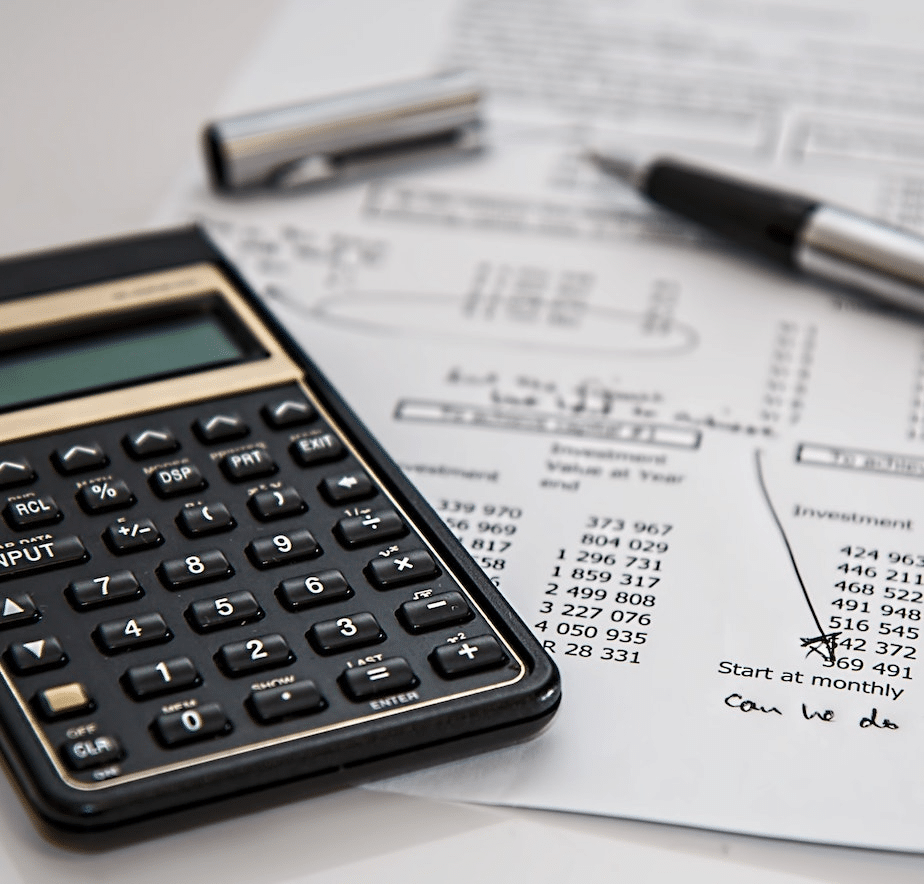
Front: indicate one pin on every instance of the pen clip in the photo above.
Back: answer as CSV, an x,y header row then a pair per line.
x,y
345,136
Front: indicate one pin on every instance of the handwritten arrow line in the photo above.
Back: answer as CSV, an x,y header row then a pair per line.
x,y
829,640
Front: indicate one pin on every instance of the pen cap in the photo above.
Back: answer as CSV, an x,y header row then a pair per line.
x,y
317,140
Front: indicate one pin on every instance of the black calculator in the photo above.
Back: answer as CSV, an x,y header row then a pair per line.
x,y
212,578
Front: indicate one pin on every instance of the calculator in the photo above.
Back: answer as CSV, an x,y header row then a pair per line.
x,y
212,578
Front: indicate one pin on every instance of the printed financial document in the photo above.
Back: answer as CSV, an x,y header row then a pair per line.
x,y
699,479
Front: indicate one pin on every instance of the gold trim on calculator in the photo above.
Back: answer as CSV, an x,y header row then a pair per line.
x,y
165,289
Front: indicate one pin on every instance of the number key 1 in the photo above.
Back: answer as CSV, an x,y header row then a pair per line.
x,y
162,677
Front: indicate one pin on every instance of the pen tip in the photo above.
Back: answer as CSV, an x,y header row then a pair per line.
x,y
624,166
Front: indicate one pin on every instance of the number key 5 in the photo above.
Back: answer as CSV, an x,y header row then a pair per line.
x,y
234,609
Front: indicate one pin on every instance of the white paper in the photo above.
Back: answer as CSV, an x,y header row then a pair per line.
x,y
680,465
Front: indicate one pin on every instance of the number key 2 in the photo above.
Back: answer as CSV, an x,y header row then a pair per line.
x,y
265,652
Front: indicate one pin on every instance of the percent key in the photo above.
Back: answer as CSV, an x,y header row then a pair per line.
x,y
105,495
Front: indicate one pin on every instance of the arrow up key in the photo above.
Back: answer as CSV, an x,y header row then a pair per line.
x,y
15,471
288,413
16,610
80,457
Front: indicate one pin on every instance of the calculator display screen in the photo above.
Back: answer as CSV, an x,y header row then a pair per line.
x,y
108,359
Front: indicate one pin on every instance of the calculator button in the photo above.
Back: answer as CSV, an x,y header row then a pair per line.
x,y
402,568
320,446
202,567
17,610
135,632
471,655
347,487
333,636
120,586
188,725
203,519
78,458
31,512
91,752
105,495
150,442
15,471
265,652
297,698
363,682
172,481
369,528
33,656
444,609
255,463
313,589
126,536
276,503
41,556
288,413
63,699
220,428
280,549
163,677
234,609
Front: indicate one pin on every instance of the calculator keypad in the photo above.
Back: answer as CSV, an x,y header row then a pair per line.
x,y
210,577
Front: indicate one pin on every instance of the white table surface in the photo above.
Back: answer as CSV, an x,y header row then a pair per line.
x,y
101,103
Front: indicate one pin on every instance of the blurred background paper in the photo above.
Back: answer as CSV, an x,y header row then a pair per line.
x,y
629,425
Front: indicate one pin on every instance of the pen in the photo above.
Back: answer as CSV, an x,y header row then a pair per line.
x,y
821,240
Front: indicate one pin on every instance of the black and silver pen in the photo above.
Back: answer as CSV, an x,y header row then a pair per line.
x,y
823,241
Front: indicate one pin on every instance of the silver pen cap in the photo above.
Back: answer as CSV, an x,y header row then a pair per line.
x,y
342,135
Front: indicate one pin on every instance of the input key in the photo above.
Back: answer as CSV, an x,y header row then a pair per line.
x,y
41,555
